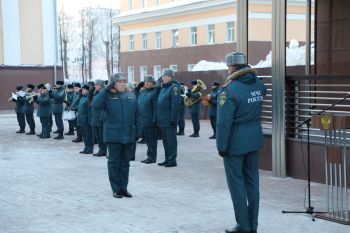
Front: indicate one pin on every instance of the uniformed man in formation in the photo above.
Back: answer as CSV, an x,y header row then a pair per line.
x,y
194,109
74,107
239,137
58,95
20,102
44,110
29,109
181,121
147,100
69,101
97,115
121,128
83,120
168,107
213,106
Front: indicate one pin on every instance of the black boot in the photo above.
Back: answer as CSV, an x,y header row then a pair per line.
x,y
59,136
70,132
78,139
181,133
20,131
56,131
31,132
194,135
213,137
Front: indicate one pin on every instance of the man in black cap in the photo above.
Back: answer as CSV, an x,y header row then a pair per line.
x,y
29,109
181,122
74,107
58,95
213,106
121,128
147,100
68,102
83,120
168,106
194,109
44,111
20,101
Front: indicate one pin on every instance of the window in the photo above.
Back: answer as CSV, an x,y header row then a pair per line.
x,y
158,40
143,72
193,35
190,67
144,40
175,36
230,36
157,2
156,72
130,4
131,43
211,34
173,67
131,74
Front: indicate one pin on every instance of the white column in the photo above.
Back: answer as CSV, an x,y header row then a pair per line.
x,y
278,87
49,31
11,32
242,26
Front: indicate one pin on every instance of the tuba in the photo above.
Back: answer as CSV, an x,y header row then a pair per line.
x,y
197,88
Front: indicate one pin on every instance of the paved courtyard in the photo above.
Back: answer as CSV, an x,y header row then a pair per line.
x,y
47,186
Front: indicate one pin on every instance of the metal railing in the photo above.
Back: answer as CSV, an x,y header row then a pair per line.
x,y
308,95
266,116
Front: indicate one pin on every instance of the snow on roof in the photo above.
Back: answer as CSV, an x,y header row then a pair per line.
x,y
160,7
295,55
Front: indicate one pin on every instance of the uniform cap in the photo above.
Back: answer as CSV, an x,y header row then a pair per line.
x,y
168,72
59,82
31,86
100,82
117,77
19,87
236,58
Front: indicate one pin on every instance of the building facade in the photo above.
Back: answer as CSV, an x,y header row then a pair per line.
x,y
178,34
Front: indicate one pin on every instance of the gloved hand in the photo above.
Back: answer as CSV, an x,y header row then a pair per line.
x,y
137,138
35,98
110,87
188,94
223,153
140,85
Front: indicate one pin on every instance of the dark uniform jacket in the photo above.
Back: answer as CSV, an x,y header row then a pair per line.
x,y
168,106
96,113
69,100
19,104
28,107
213,101
195,108
75,102
147,100
122,119
84,111
239,128
58,98
45,105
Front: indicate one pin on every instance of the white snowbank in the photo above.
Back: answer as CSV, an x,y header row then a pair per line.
x,y
295,55
204,65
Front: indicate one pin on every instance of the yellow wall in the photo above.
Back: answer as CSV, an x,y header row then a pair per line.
x,y
31,37
1,38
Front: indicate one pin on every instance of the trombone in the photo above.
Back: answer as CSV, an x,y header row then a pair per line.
x,y
16,95
30,97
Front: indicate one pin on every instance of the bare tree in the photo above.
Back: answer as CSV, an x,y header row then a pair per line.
x,y
63,24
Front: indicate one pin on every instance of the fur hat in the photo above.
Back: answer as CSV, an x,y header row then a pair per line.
x,y
236,59
117,77
59,82
100,82
215,83
149,78
86,86
70,86
31,86
19,87
77,85
168,72
41,85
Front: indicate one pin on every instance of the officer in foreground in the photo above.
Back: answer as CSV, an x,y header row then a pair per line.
x,y
121,128
239,138
168,107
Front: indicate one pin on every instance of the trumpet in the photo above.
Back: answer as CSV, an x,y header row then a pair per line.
x,y
205,99
197,88
16,95
30,97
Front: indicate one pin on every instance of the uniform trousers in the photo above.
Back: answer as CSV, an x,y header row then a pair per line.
x,y
242,174
118,164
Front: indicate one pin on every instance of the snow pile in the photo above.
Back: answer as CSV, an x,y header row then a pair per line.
x,y
204,65
295,55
